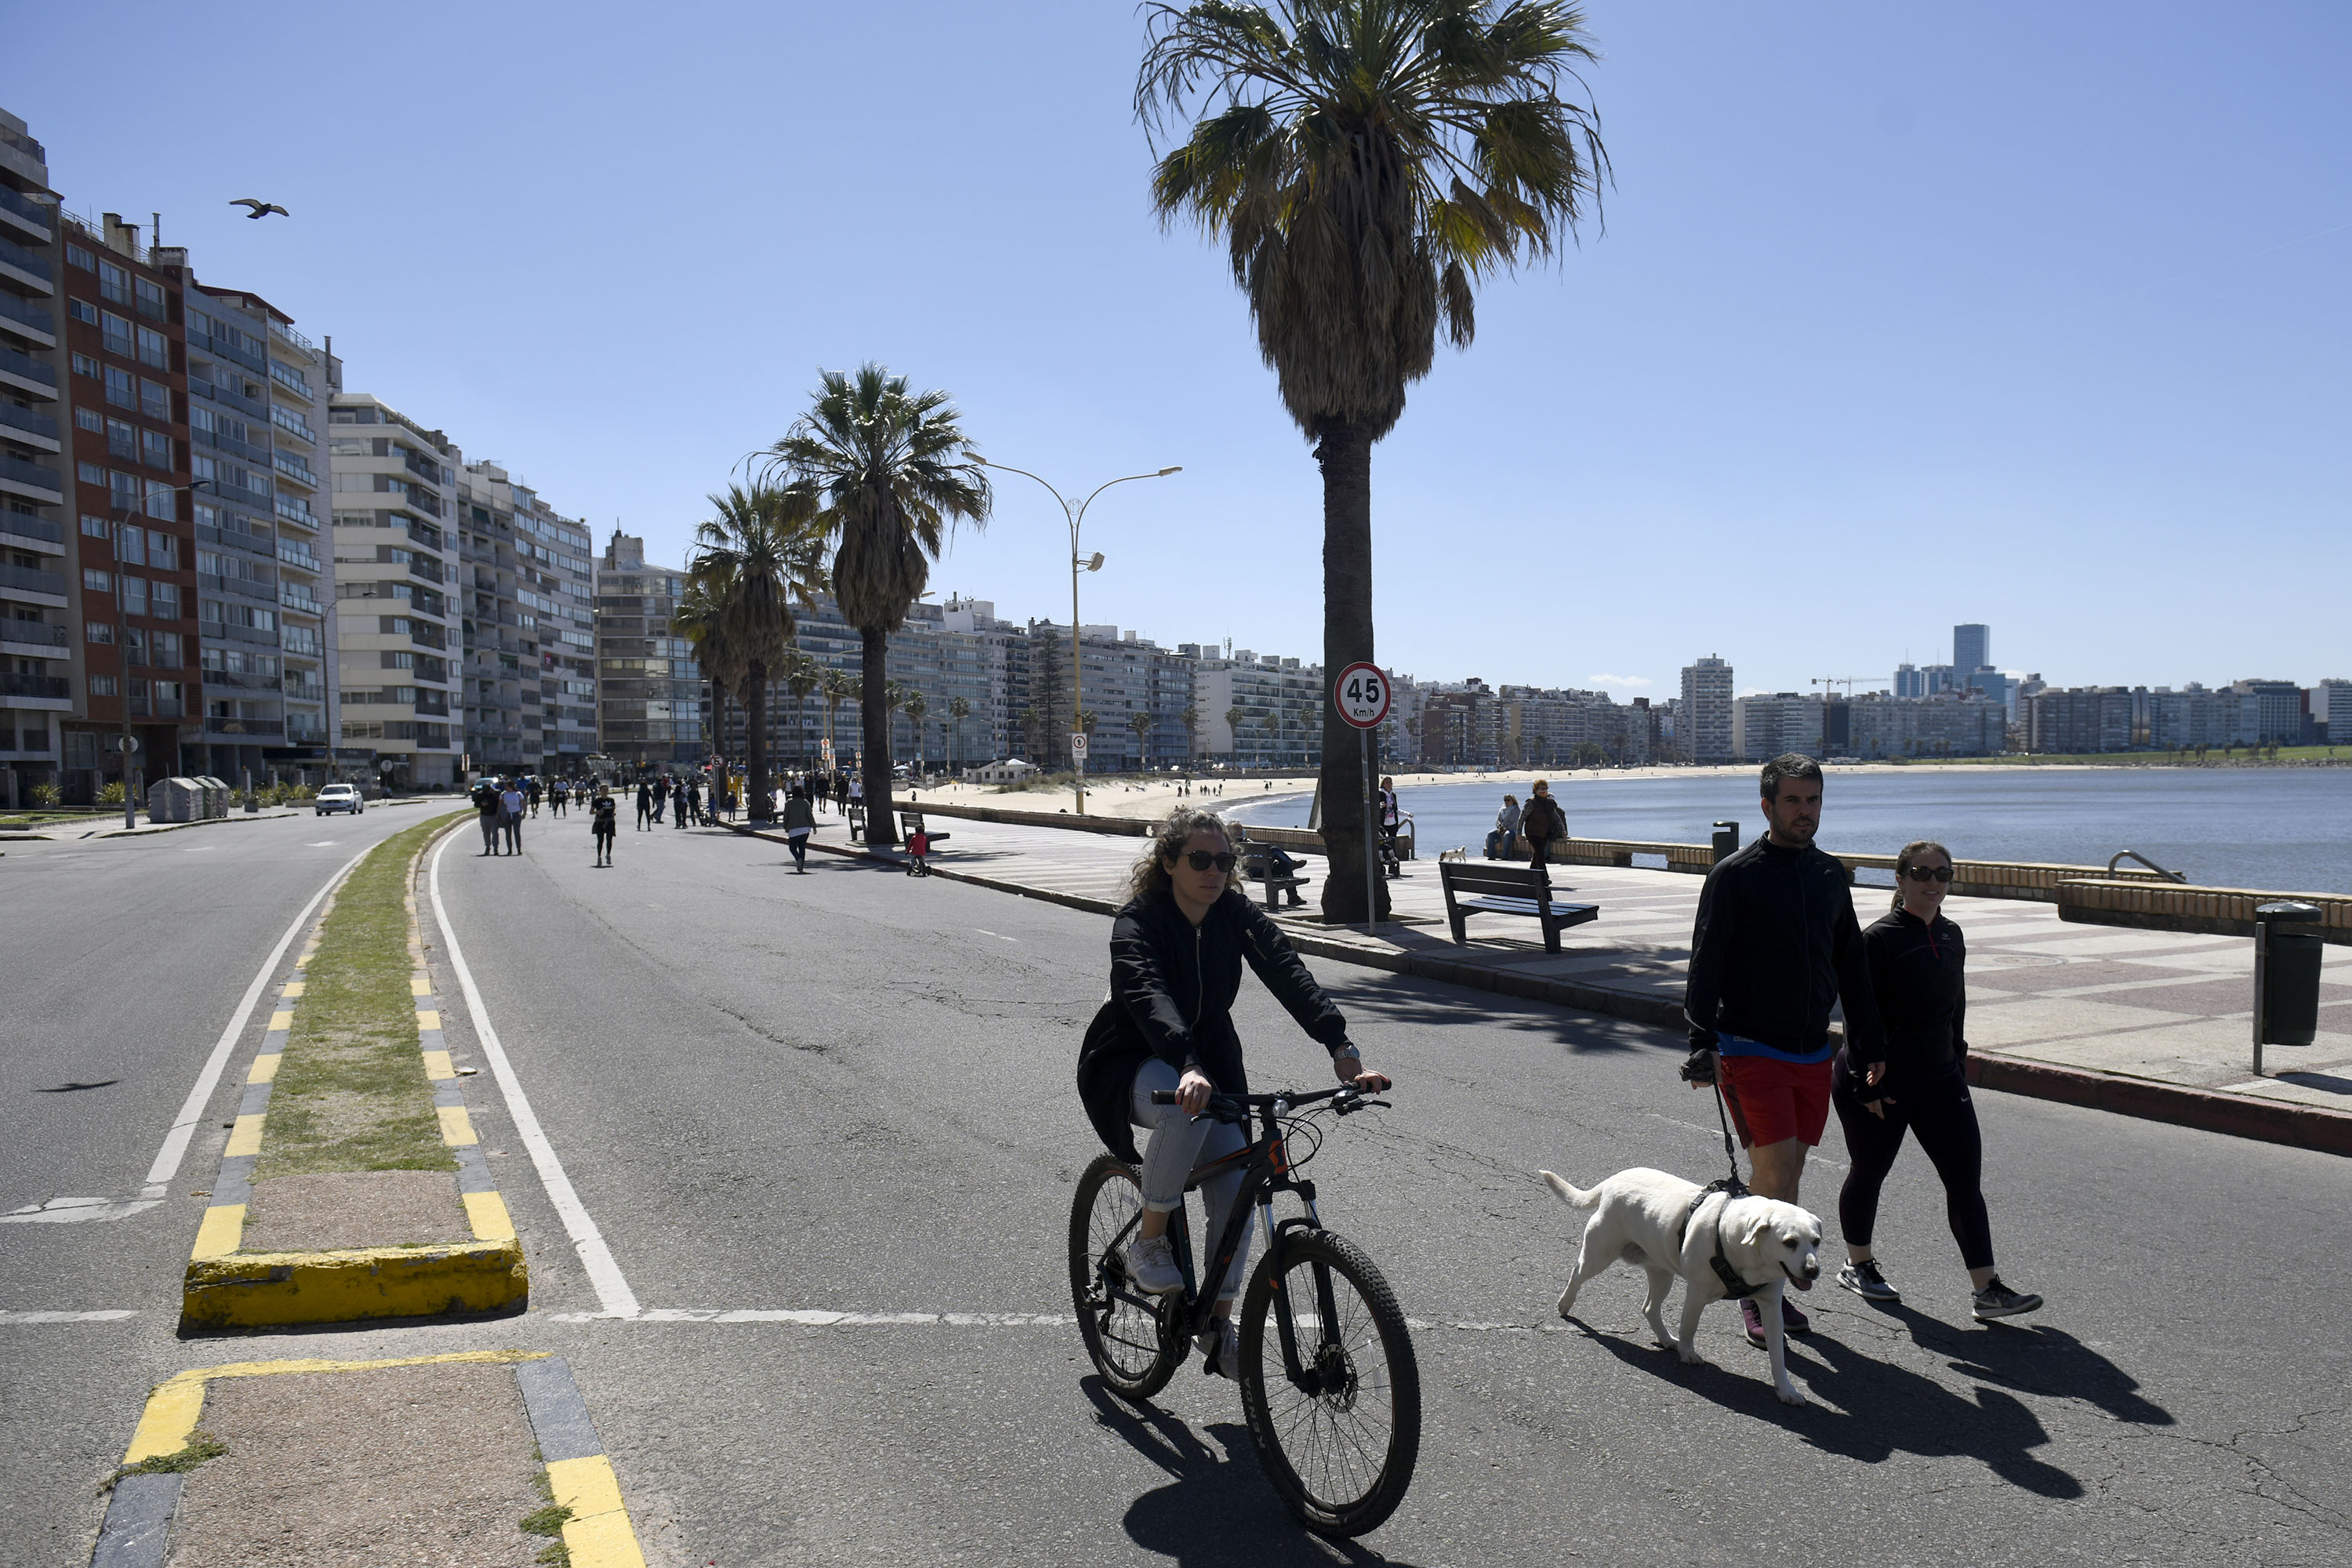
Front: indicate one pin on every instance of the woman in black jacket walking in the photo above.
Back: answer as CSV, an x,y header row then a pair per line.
x,y
1917,962
1176,950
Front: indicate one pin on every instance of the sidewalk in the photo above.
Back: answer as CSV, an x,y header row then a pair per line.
x,y
2148,1023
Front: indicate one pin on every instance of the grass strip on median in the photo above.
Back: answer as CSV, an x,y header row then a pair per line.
x,y
351,1093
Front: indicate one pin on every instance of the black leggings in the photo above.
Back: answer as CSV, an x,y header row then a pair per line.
x,y
1944,1120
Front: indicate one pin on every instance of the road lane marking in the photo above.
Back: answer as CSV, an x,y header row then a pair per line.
x,y
820,1317
114,1316
985,932
191,1113
605,1274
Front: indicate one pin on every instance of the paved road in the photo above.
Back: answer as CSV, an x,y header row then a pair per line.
x,y
850,1091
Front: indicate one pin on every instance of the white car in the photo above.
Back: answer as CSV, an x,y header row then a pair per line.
x,y
340,797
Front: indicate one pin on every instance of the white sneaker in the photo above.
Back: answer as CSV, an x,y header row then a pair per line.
x,y
1221,1349
1151,1264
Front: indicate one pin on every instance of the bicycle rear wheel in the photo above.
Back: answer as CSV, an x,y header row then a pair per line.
x,y
1129,1343
1338,1427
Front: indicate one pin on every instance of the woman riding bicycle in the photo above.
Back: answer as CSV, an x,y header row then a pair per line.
x,y
1177,949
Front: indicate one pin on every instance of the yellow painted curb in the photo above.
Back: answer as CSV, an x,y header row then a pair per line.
x,y
281,1020
222,1232
438,1066
164,1426
598,1534
265,1068
419,985
428,1018
457,1127
265,1289
177,1404
488,1214
246,1137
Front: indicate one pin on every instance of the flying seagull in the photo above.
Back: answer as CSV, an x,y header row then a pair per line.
x,y
260,208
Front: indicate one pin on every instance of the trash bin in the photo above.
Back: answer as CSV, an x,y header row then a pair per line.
x,y
2286,976
1726,840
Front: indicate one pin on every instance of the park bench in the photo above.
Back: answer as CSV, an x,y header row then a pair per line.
x,y
911,822
1265,863
1478,888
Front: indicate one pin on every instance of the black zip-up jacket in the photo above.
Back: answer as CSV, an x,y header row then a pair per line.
x,y
1917,972
1775,947
1172,986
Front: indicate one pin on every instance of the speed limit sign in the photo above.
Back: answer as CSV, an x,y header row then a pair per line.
x,y
1362,694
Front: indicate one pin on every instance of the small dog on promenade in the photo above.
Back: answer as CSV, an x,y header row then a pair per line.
x,y
1672,1229
1461,853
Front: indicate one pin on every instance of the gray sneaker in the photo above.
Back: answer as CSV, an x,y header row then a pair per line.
x,y
1151,1264
1998,1301
1865,1280
1221,1349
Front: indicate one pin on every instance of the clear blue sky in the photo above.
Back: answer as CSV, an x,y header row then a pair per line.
x,y
2016,313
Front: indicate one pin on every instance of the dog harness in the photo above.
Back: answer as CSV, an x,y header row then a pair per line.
x,y
1734,1287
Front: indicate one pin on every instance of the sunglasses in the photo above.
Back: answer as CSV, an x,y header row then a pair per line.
x,y
1925,874
1200,861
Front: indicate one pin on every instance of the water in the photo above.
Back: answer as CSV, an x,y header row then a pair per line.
x,y
2286,829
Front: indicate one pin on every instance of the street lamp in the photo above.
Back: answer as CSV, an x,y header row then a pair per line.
x,y
1077,514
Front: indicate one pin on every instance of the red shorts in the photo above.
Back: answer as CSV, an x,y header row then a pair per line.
x,y
1772,1102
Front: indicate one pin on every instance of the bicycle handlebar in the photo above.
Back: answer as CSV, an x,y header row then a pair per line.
x,y
1241,1104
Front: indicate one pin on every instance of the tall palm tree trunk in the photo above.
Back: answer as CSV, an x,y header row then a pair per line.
x,y
761,805
875,711
1345,454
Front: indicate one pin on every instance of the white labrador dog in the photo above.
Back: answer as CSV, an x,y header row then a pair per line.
x,y
1650,1219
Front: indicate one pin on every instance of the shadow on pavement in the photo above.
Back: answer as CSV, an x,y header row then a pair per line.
x,y
1218,1511
1429,1004
1884,1409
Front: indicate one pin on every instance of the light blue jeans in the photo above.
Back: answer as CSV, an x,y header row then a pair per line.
x,y
1177,1143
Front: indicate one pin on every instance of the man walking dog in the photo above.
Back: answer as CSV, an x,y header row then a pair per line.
x,y
1775,947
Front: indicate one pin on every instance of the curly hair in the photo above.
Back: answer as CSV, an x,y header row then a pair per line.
x,y
1168,840
1908,855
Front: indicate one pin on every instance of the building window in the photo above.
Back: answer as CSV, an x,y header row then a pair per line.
x,y
150,299
135,595
121,388
155,349
94,581
162,552
158,449
154,400
98,631
118,333
101,686
131,546
167,644
113,282
83,364
82,310
167,602
121,440
77,256
163,500
125,489
95,527
91,420
134,649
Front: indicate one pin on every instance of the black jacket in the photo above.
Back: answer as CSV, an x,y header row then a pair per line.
x,y
1542,820
1916,974
1172,986
1776,946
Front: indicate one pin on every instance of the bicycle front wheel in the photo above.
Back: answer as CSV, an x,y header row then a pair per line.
x,y
1336,1411
1127,1332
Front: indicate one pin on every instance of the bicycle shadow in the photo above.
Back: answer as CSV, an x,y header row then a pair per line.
x,y
1876,1409
1217,1510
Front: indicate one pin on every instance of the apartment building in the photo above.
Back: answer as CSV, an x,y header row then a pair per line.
x,y
2071,720
1767,725
1954,724
134,585
257,395
527,594
1540,727
554,550
649,692
1259,711
40,679
395,484
1703,726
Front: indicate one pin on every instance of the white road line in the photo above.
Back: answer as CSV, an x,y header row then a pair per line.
x,y
603,1273
815,1317
111,1316
191,1112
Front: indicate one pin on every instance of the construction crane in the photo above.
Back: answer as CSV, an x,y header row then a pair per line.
x,y
1848,681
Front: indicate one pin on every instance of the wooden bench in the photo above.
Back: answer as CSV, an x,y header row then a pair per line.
x,y
1257,866
911,822
1481,888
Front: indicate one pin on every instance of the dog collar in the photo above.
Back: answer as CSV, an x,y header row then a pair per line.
x,y
1734,1287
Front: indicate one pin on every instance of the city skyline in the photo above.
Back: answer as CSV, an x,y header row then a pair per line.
x,y
1789,364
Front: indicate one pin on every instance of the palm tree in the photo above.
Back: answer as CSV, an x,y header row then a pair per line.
x,y
696,619
762,551
887,472
1140,722
894,699
1190,719
1365,161
839,687
1234,728
958,710
915,705
802,676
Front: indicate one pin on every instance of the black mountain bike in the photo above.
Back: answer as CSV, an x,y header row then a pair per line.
x,y
1328,1382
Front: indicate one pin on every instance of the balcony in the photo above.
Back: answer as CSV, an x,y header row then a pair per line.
x,y
36,221
245,587
293,510
294,469
29,419
222,679
216,725
287,335
229,444
31,480
26,526
29,320
21,371
222,348
295,553
252,407
293,424
32,634
53,688
21,264
243,497
236,539
292,380
298,599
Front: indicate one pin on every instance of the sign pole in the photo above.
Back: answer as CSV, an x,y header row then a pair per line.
x,y
1361,696
1371,856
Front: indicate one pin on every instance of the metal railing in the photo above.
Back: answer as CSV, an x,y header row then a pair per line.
x,y
31,419
30,527
32,634
33,580
13,684
29,210
24,260
40,320
16,361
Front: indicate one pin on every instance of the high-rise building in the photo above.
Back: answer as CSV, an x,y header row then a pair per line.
x,y
1910,680
2331,710
1254,712
394,488
1703,726
648,689
1953,724
41,681
2065,723
1971,648
2279,709
257,395
136,587
526,594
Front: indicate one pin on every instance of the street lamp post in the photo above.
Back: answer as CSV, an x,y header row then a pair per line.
x,y
1077,514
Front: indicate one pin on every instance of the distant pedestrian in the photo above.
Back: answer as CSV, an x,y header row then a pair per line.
x,y
661,798
1918,965
511,809
645,807
1539,824
603,824
486,805
1776,946
918,849
799,821
694,800
557,793
1391,819
1506,830
531,788
677,803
